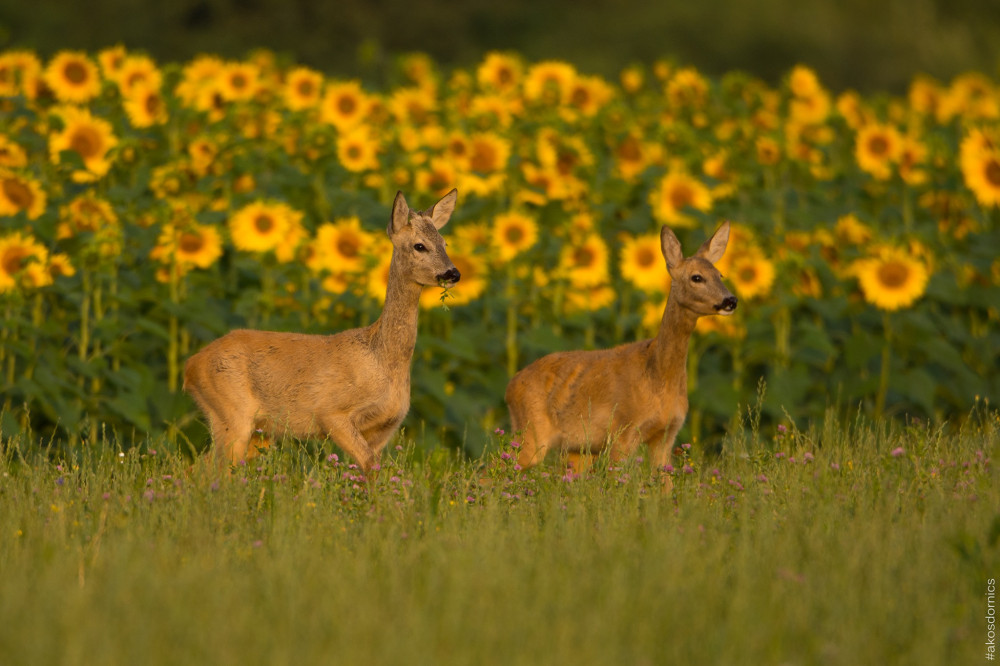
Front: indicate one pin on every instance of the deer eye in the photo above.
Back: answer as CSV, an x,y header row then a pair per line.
x,y
697,278
419,247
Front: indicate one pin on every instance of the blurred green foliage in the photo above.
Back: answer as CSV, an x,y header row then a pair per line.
x,y
857,43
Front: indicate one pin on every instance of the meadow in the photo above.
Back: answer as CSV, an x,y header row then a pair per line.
x,y
850,543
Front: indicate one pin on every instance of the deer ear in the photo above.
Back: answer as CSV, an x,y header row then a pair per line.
x,y
671,248
715,247
400,214
441,212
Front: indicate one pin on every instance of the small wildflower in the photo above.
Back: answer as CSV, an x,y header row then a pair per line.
x,y
687,469
835,466
498,431
807,457
896,452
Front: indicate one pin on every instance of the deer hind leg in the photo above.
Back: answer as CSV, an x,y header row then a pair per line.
x,y
536,436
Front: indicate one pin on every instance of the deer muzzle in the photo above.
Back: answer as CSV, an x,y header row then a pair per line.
x,y
727,306
450,276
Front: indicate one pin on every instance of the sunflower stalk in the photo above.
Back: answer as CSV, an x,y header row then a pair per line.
x,y
883,380
510,294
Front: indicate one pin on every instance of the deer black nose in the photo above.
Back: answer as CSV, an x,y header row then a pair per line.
x,y
451,275
728,304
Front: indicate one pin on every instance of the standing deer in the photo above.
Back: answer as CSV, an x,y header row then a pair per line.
x,y
633,393
354,386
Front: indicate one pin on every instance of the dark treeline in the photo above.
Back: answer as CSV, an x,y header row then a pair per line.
x,y
859,44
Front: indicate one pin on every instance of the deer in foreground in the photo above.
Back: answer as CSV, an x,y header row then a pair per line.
x,y
352,387
585,401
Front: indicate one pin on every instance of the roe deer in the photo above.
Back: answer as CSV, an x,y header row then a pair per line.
x,y
354,386
633,393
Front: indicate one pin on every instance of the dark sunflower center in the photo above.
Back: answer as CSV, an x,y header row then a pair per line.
x,y
75,73
346,105
264,223
86,142
191,243
514,235
645,257
484,159
878,146
680,196
347,246
992,172
17,193
583,257
893,274
13,260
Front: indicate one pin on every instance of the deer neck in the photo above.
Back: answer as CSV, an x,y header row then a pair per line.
x,y
395,332
670,346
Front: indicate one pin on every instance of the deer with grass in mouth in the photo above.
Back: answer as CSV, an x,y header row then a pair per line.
x,y
352,387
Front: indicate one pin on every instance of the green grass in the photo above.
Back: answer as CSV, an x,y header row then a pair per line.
x,y
861,543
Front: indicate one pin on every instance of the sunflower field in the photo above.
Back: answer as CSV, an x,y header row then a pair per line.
x,y
147,208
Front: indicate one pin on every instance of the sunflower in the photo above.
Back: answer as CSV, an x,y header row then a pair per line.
x,y
303,89
11,153
924,95
488,153
89,137
632,78
632,155
564,153
979,159
198,245
501,72
876,148
912,156
339,247
378,277
60,265
892,279
727,327
344,104
261,226
22,260
437,178
457,148
494,110
513,233
137,71
21,193
849,229
20,74
676,193
585,263
641,261
145,106
73,77
588,95
687,88
751,273
357,150
590,299
412,106
768,151
199,82
549,82
239,81
111,61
